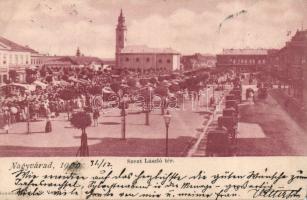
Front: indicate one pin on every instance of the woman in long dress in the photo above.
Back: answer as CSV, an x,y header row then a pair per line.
x,y
48,127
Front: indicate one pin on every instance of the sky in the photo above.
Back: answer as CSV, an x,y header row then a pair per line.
x,y
58,27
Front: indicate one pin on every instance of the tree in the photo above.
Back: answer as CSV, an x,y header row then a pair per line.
x,y
161,78
43,72
143,82
95,90
153,80
82,120
131,82
67,95
13,75
115,87
64,77
30,76
174,88
49,78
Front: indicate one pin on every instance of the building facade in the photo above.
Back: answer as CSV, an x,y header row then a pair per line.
x,y
14,57
243,60
292,65
37,59
141,58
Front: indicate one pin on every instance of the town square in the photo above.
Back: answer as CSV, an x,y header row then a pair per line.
x,y
123,81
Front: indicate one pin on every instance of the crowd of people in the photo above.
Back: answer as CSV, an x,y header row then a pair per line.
x,y
73,91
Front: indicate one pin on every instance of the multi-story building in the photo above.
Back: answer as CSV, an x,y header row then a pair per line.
x,y
142,58
292,66
14,57
243,60
37,59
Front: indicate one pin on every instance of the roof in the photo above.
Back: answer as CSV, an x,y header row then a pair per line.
x,y
148,50
245,51
12,46
299,40
81,60
300,36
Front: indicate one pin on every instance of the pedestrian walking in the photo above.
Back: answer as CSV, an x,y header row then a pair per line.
x,y
6,128
96,116
48,127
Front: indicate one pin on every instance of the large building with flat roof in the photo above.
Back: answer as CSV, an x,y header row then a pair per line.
x,y
243,60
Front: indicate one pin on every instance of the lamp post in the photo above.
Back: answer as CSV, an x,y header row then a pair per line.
x,y
28,118
123,105
28,115
167,120
148,104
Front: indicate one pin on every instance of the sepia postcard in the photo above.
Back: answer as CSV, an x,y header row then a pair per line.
x,y
153,99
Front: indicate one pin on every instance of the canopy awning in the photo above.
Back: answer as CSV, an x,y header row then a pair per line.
x,y
41,84
107,90
77,80
22,86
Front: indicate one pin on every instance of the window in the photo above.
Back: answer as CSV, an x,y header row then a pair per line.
x,y
168,61
137,59
4,58
147,59
10,59
16,59
127,59
160,61
4,78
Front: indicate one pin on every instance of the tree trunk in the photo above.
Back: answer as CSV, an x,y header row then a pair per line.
x,y
162,105
84,151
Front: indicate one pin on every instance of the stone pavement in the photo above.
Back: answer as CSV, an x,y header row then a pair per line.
x,y
264,129
250,130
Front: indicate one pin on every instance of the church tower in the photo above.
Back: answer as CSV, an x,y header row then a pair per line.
x,y
121,34
78,52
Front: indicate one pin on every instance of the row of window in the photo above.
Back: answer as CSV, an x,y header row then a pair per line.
x,y
127,59
3,78
14,59
36,61
146,70
247,61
